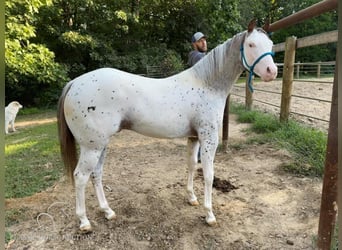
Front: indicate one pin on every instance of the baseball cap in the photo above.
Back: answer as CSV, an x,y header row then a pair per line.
x,y
197,36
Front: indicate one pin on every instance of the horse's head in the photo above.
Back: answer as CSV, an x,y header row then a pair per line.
x,y
256,53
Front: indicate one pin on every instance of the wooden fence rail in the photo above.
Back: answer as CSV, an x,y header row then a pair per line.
x,y
314,69
329,191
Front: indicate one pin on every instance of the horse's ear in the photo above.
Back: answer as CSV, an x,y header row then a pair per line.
x,y
266,26
252,25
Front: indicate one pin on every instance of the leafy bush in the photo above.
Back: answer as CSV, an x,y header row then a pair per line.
x,y
138,60
32,75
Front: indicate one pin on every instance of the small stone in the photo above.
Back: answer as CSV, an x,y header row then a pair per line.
x,y
290,242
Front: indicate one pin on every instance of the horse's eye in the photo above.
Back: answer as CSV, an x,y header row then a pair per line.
x,y
251,45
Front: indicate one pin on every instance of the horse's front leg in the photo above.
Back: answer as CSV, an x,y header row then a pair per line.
x,y
193,146
208,149
96,178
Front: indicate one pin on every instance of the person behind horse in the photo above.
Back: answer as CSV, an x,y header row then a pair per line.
x,y
199,44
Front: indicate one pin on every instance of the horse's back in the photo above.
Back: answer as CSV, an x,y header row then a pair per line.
x,y
104,101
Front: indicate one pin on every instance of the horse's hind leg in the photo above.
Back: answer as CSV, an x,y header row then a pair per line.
x,y
193,146
85,166
96,178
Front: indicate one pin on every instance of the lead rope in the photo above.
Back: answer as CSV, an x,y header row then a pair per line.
x,y
250,69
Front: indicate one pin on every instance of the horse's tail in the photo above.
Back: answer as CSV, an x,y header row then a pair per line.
x,y
66,138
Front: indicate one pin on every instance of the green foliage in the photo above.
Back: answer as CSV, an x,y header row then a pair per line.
x,y
8,236
12,217
171,63
32,160
247,117
322,23
335,242
265,123
75,40
32,75
49,42
307,145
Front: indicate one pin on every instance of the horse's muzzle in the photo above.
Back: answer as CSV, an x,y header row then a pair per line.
x,y
270,74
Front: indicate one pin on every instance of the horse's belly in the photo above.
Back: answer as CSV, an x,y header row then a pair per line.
x,y
163,130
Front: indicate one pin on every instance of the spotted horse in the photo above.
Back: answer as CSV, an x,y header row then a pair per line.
x,y
100,103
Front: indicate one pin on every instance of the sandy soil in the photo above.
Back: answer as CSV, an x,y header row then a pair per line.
x,y
145,182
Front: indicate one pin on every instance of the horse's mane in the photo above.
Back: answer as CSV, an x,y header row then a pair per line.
x,y
216,61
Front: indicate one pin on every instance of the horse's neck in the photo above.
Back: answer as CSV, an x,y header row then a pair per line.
x,y
222,66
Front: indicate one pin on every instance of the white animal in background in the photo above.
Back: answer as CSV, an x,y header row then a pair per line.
x,y
11,112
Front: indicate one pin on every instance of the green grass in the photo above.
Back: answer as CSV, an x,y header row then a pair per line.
x,y
32,160
307,145
13,216
334,243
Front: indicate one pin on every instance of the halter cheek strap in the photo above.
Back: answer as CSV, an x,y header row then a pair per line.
x,y
251,68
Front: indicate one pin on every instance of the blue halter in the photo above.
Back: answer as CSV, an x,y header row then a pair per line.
x,y
251,68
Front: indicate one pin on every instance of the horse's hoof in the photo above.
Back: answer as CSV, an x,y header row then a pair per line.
x,y
111,216
212,223
194,203
85,229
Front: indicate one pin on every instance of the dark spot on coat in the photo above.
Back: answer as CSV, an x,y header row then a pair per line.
x,y
91,108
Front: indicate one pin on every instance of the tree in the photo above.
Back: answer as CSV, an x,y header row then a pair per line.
x,y
274,10
48,41
316,25
32,76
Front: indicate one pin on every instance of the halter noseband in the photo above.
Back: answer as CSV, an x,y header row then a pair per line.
x,y
251,68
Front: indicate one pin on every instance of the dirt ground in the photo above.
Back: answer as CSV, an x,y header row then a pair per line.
x,y
145,182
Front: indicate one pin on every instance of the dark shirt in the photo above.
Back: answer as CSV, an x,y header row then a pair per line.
x,y
194,57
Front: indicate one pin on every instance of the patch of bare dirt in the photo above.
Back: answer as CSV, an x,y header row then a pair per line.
x,y
21,124
145,183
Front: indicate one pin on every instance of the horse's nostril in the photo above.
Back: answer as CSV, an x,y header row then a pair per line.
x,y
268,70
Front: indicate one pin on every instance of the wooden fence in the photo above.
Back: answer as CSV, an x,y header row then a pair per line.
x,y
269,100
328,211
289,70
310,69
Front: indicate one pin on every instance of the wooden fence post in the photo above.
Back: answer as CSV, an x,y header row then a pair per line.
x,y
327,217
249,94
225,125
298,69
319,69
289,60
